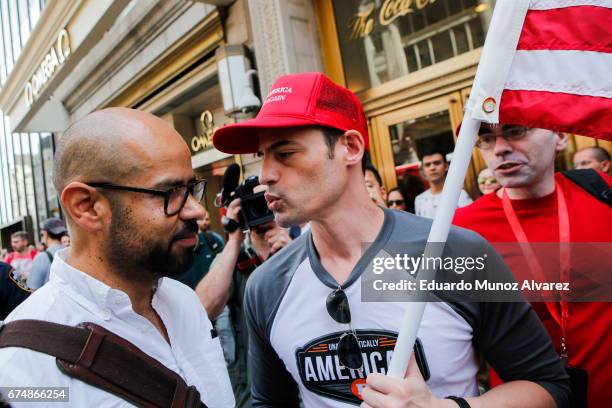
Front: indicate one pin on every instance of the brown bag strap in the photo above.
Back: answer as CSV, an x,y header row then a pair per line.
x,y
101,358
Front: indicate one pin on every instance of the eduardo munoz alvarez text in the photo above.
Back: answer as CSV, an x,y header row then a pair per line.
x,y
458,265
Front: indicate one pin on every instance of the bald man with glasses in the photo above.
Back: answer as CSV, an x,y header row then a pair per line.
x,y
132,205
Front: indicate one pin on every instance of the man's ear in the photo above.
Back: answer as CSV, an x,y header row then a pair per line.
x,y
561,141
87,208
354,145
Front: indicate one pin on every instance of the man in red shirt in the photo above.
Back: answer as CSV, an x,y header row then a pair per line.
x,y
21,258
535,204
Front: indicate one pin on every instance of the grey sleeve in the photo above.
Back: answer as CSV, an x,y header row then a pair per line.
x,y
514,342
271,383
39,271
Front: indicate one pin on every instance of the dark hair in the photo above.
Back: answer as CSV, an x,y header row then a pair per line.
x,y
600,153
430,151
371,168
55,237
398,190
411,186
20,234
331,136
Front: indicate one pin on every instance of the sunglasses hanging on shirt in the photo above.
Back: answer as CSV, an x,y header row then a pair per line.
x,y
349,352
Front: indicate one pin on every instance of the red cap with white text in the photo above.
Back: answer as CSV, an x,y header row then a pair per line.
x,y
308,99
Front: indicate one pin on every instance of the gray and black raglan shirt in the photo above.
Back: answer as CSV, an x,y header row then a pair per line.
x,y
293,339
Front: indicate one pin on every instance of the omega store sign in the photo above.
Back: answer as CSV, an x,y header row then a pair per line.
x,y
203,140
52,60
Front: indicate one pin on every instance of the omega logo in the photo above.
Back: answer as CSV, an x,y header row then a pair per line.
x,y
54,59
204,140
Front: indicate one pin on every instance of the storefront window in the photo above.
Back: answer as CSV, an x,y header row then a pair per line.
x,y
24,23
39,175
6,36
14,18
12,169
28,178
19,174
34,10
2,62
5,199
47,153
382,40
410,138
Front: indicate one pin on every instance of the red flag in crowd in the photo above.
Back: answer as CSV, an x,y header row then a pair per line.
x,y
545,64
560,72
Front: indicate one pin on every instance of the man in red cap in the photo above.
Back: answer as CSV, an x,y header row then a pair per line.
x,y
310,333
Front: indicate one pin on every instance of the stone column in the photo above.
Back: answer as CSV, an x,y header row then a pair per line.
x,y
285,38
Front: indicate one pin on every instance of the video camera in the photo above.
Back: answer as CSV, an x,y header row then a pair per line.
x,y
253,206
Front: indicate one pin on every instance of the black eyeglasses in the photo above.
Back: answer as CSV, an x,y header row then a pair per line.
x,y
396,202
487,136
174,198
349,351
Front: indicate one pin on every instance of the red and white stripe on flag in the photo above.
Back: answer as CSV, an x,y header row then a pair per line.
x,y
560,75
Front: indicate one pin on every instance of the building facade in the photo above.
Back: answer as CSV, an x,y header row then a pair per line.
x,y
26,158
158,56
411,62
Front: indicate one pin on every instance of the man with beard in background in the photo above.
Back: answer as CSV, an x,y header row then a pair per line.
x,y
132,204
21,257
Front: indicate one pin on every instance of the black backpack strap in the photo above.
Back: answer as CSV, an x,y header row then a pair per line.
x,y
50,255
99,357
592,182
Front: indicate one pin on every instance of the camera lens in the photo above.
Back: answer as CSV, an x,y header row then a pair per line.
x,y
255,209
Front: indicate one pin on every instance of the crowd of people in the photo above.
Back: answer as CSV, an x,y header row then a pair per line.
x,y
27,267
272,316
434,168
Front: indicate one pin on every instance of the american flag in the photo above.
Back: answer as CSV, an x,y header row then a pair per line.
x,y
548,64
545,64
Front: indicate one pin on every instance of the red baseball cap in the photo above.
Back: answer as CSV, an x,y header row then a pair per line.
x,y
296,100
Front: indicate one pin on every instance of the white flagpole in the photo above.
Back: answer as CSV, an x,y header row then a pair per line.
x,y
438,233
493,68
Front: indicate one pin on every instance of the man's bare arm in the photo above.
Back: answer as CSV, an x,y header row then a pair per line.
x,y
214,289
412,392
524,394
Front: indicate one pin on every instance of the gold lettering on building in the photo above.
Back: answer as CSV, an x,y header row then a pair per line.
x,y
204,140
54,59
63,46
392,9
361,24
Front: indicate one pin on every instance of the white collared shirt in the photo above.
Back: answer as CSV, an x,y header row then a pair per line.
x,y
71,297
